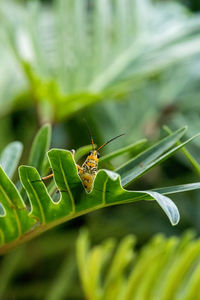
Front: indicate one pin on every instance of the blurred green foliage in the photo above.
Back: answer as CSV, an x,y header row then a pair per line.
x,y
164,269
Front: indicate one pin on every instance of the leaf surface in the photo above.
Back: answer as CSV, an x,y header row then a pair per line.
x,y
151,157
39,147
10,157
19,225
15,220
178,188
131,148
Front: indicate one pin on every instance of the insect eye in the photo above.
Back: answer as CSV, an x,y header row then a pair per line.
x,y
90,153
98,155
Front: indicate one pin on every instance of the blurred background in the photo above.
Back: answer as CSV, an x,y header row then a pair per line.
x,y
127,66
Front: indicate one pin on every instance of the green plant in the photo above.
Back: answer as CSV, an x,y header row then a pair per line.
x,y
164,269
72,54
21,220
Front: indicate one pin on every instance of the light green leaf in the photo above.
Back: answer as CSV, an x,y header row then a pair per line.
x,y
131,148
167,205
178,188
175,259
103,65
188,155
10,157
151,157
39,148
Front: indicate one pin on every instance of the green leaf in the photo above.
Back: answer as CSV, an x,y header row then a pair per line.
x,y
74,201
135,277
10,157
121,259
90,263
105,66
71,199
42,207
39,148
188,155
107,188
127,149
167,205
178,188
16,221
37,156
151,157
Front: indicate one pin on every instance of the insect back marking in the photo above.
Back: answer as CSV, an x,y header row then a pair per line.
x,y
88,170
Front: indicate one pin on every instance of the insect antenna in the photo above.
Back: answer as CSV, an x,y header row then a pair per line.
x,y
106,143
90,134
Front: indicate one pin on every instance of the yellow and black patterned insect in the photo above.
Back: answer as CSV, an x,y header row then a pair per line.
x,y
88,170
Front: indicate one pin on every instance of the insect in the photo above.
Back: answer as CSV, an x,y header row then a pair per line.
x,y
89,168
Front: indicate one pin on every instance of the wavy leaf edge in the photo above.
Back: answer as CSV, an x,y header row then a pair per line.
x,y
46,213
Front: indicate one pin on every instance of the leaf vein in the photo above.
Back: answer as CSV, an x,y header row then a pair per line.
x,y
38,201
12,206
104,191
68,189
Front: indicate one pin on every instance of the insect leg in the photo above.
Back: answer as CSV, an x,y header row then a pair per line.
x,y
51,175
47,177
80,169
